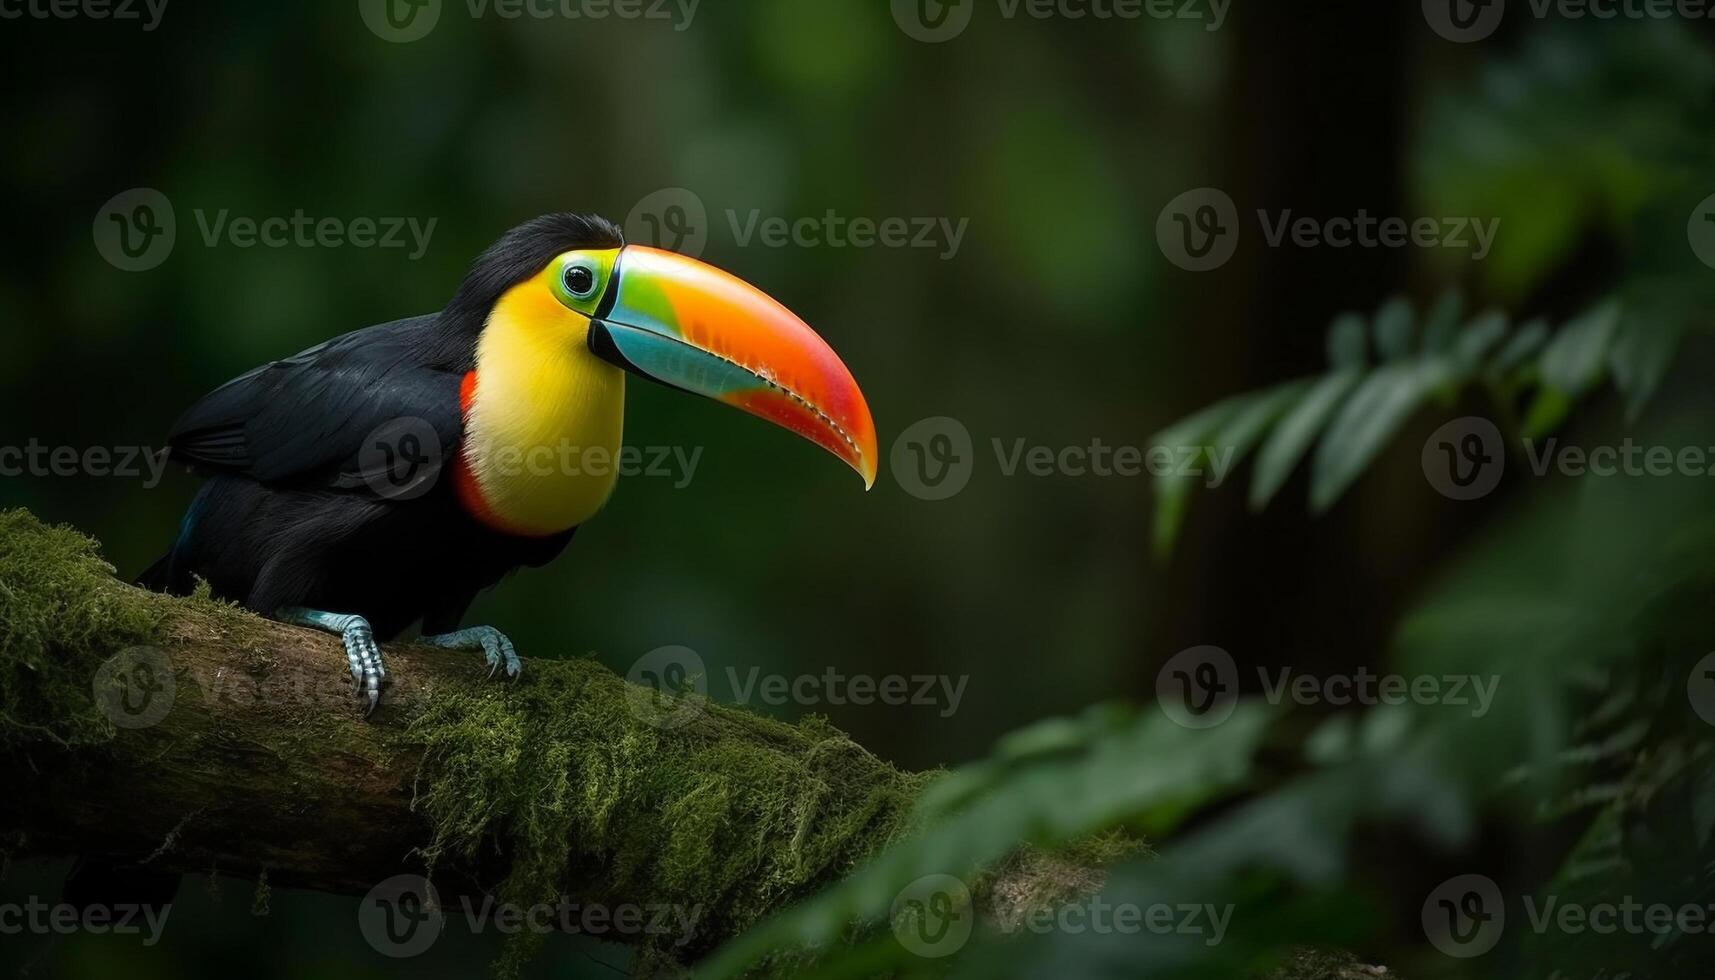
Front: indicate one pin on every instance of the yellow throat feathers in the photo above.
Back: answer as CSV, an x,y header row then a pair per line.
x,y
544,424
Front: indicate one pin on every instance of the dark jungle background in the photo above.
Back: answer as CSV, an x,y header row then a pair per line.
x,y
1058,320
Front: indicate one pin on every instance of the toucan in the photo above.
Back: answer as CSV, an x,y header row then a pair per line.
x,y
383,479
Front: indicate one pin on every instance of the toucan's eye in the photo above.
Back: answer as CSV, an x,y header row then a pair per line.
x,y
580,280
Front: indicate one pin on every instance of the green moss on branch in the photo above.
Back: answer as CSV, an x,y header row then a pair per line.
x,y
582,784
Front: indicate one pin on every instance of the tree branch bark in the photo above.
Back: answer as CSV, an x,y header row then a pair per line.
x,y
187,736
261,761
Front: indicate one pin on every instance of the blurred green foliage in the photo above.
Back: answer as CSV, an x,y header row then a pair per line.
x,y
1058,321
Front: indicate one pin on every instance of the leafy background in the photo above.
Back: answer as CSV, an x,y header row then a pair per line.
x,y
1058,322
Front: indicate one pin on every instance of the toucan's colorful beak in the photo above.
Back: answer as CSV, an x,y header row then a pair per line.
x,y
678,321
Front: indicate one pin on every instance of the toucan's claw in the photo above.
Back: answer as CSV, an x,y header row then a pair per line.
x,y
494,645
362,653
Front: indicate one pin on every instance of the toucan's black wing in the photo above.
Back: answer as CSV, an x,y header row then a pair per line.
x,y
345,414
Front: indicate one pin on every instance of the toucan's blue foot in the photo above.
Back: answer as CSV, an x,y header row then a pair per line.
x,y
361,650
489,640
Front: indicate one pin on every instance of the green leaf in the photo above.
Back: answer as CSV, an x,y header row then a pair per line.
x,y
1173,491
1571,364
1394,322
1441,328
1245,429
1520,348
1367,421
1236,428
1478,338
1054,800
1296,432
1640,358
1347,346
1547,410
1574,360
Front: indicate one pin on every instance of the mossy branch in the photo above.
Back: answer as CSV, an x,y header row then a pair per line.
x,y
569,783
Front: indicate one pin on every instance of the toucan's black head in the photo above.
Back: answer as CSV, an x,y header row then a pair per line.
x,y
522,253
